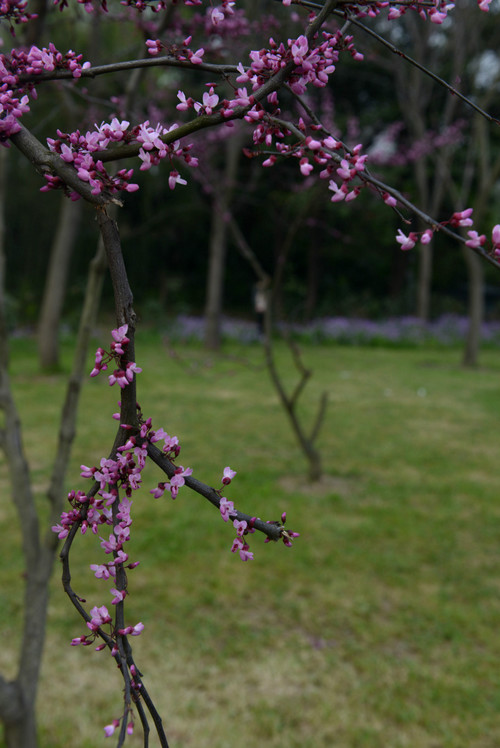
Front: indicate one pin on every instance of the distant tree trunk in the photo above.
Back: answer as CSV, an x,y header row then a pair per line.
x,y
486,171
218,245
56,282
415,93
215,279
33,32
424,282
475,274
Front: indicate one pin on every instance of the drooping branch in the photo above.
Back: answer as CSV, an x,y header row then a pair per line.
x,y
119,647
46,162
381,187
124,311
273,530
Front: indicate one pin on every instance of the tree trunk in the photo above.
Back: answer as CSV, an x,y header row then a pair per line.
x,y
56,282
424,283
218,244
475,273
215,279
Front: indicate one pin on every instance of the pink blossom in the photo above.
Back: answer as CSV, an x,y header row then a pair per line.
x,y
131,369
118,376
226,508
216,16
462,218
475,240
159,490
119,335
228,475
110,545
185,103
305,167
62,532
197,57
426,236
407,242
210,100
99,617
109,729
158,435
101,571
132,630
175,178
242,548
436,16
240,526
177,480
154,46
299,49
339,193
172,445
118,596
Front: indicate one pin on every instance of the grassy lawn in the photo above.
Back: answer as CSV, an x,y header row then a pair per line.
x,y
379,628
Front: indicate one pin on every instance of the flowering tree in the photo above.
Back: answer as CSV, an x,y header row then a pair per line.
x,y
271,89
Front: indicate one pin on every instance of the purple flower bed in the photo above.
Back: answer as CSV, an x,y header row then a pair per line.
x,y
396,331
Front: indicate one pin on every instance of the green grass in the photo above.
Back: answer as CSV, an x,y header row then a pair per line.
x,y
378,629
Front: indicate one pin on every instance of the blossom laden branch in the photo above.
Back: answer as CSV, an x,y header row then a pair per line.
x,y
127,66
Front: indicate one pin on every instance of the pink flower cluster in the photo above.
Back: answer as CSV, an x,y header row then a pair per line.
x,y
102,507
95,511
476,240
459,219
206,106
176,481
153,150
124,375
79,150
321,150
15,11
184,53
16,70
436,13
242,527
313,64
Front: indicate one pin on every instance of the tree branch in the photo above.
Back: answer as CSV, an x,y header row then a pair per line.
x,y
273,530
127,66
46,162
